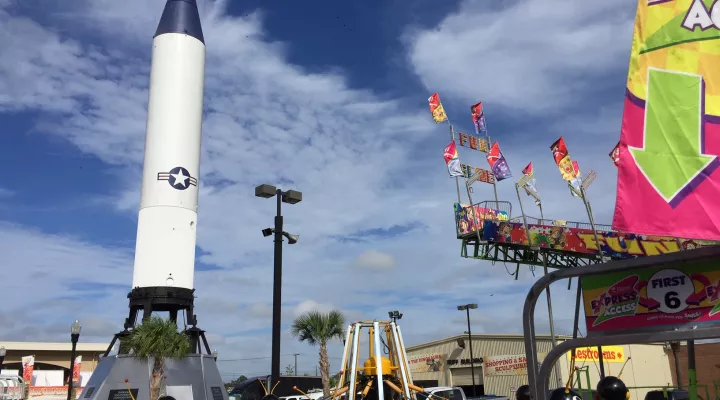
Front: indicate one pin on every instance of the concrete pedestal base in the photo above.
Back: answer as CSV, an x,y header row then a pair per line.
x,y
194,378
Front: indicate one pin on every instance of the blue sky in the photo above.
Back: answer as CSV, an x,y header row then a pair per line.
x,y
326,97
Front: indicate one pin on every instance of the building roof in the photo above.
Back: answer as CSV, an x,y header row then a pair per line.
x,y
50,346
486,336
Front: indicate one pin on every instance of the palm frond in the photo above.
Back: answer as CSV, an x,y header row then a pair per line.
x,y
159,338
315,327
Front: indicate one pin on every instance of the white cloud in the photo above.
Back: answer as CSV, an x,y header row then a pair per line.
x,y
268,121
6,193
376,260
310,305
534,56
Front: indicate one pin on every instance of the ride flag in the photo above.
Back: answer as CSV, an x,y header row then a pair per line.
x,y
668,177
529,187
437,109
577,181
563,161
452,160
615,154
497,162
478,118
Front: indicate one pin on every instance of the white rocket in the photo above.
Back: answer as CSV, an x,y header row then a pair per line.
x,y
167,221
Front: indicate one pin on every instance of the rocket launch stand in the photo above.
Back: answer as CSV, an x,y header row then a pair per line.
x,y
385,375
164,299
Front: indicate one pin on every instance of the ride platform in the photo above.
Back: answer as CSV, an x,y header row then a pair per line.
x,y
488,232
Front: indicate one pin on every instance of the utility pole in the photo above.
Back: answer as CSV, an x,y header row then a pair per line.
x,y
295,370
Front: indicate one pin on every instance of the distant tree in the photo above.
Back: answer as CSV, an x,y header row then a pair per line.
x,y
235,381
290,370
317,328
159,339
334,380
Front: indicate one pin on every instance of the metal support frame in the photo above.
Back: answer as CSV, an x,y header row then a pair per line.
x,y
538,378
352,357
514,253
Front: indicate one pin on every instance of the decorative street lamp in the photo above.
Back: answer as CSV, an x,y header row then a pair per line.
x,y
74,337
467,308
290,197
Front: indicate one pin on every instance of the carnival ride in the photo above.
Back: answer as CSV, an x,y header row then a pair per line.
x,y
489,232
385,374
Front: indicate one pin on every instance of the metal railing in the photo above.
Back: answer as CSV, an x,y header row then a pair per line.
x,y
564,224
12,387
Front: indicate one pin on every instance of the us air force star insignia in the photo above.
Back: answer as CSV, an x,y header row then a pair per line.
x,y
179,178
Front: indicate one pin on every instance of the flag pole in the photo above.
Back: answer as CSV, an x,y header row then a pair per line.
x,y
602,256
476,218
457,179
487,137
522,211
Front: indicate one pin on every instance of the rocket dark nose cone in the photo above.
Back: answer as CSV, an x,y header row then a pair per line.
x,y
181,16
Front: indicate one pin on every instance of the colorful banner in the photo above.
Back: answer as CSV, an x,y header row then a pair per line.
x,y
617,245
437,109
497,163
37,391
615,154
483,174
467,221
76,369
426,363
478,117
668,177
687,293
611,354
452,160
28,364
473,142
505,365
562,159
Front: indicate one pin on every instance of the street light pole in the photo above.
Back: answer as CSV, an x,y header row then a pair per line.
x,y
291,197
74,337
295,370
467,308
277,290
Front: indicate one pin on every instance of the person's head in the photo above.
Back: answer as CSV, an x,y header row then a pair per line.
x,y
166,398
612,388
564,394
523,393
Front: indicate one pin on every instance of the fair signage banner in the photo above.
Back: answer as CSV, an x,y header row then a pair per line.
x,y
515,364
426,363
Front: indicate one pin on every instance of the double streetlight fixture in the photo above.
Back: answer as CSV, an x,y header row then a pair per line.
x,y
290,197
292,239
75,329
395,315
467,308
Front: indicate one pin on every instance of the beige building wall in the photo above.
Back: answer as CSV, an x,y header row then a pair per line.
x,y
56,354
483,346
649,364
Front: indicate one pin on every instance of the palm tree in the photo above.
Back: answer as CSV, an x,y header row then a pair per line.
x,y
158,338
315,328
